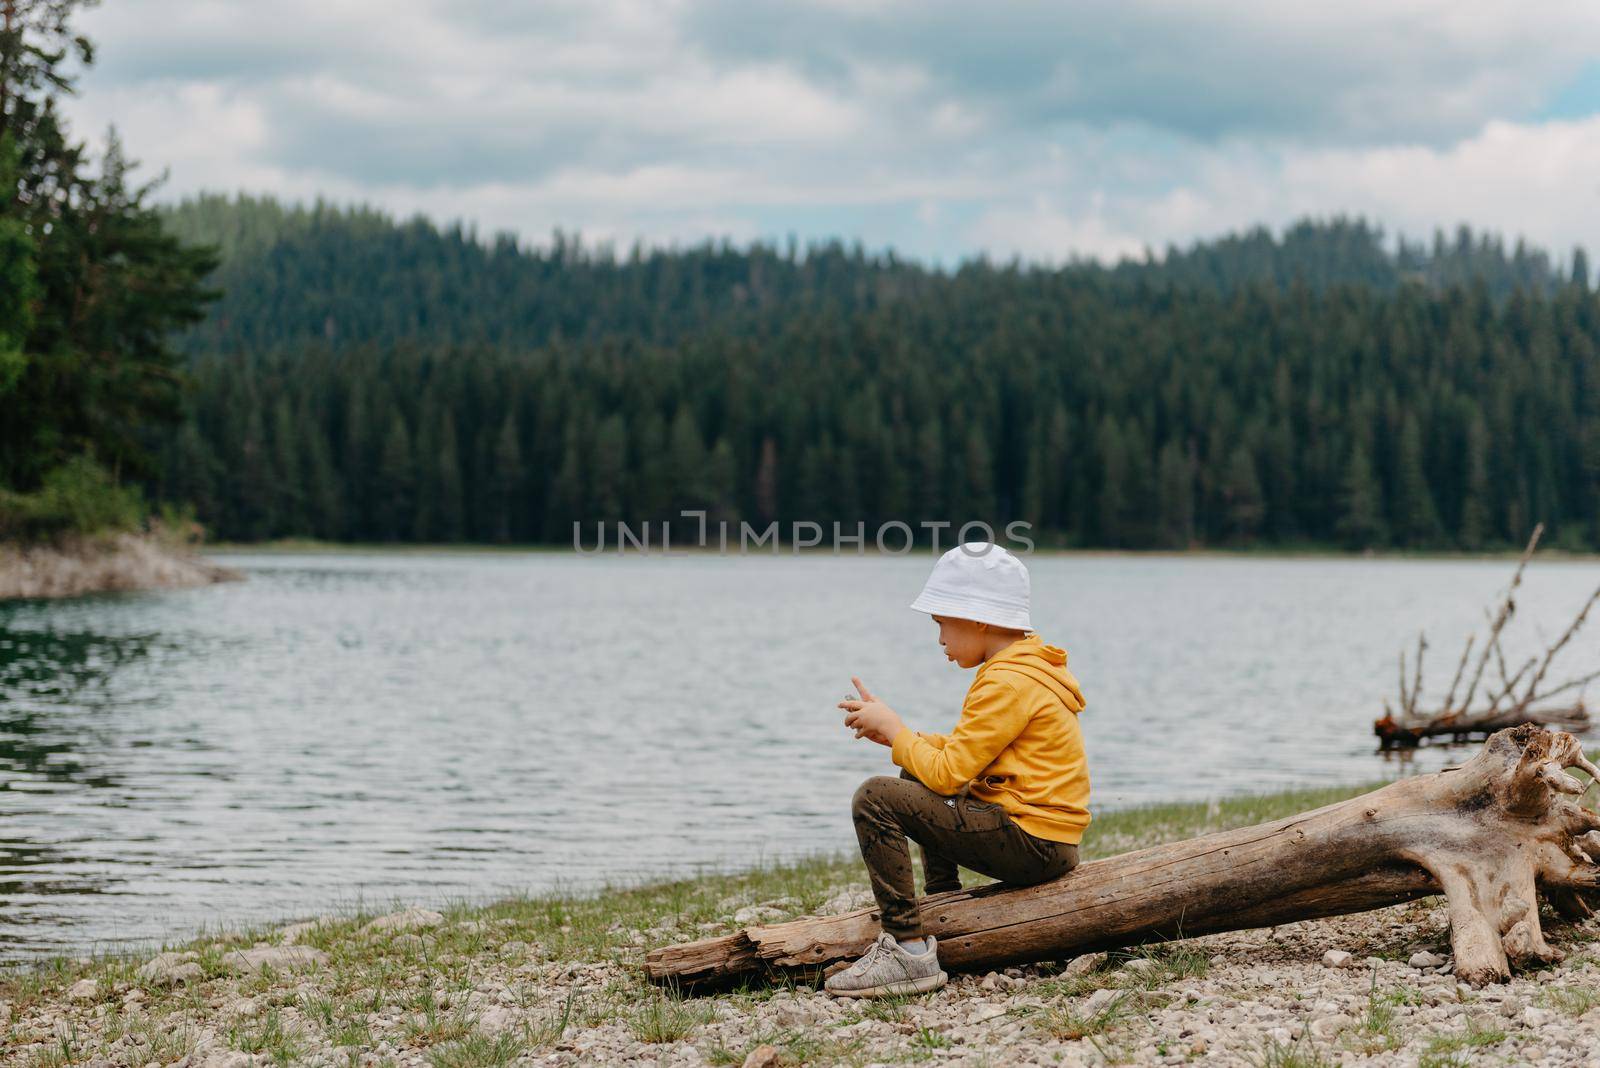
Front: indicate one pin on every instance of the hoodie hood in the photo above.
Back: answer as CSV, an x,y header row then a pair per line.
x,y
1045,664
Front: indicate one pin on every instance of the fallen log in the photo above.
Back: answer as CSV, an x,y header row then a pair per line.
x,y
1461,726
1490,835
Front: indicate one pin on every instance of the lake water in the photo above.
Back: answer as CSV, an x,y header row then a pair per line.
x,y
349,728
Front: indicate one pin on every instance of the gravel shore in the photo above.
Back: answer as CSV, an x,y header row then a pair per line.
x,y
114,562
418,987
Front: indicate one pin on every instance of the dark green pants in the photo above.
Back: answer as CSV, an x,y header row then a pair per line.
x,y
953,832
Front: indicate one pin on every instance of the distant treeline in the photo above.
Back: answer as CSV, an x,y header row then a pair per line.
x,y
372,381
294,276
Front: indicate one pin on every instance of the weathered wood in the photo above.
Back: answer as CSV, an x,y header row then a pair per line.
x,y
1461,726
1488,835
1408,727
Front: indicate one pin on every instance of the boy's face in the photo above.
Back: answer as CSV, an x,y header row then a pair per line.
x,y
964,641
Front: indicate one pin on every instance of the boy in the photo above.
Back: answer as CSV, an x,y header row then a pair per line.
x,y
1006,793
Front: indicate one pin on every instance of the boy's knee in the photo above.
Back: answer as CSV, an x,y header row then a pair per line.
x,y
870,794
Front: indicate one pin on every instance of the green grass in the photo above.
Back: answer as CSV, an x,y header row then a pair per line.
x,y
1070,1022
268,1036
665,1018
478,1051
1378,1030
1458,1044
1298,1052
1572,1000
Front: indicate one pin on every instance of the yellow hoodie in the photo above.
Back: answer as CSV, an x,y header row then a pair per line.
x,y
1017,743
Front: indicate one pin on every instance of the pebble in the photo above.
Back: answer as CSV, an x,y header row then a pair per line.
x,y
241,1008
84,990
1423,959
1083,965
278,958
296,931
763,1056
171,969
1337,958
228,1058
496,1020
1098,1001
1536,1017
411,919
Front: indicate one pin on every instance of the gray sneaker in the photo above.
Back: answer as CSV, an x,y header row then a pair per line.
x,y
887,969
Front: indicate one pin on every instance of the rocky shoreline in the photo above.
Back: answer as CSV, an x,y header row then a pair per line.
x,y
504,985
557,981
115,562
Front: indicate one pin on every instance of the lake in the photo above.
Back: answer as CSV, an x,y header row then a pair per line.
x,y
369,728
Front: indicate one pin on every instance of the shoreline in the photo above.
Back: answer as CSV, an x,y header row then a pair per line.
x,y
299,547
110,563
555,980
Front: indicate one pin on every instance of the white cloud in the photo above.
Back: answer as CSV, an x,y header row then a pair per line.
x,y
1097,127
1536,180
1044,231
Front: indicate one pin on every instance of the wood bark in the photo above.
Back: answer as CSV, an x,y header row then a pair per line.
x,y
1491,835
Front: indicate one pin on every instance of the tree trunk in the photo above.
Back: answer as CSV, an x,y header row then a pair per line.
x,y
1489,835
1463,726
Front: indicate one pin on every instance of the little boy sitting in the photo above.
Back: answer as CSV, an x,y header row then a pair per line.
x,y
1005,794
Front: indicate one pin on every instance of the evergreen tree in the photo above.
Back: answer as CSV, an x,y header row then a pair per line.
x,y
397,474
722,482
506,478
1113,507
1474,528
91,284
979,477
1361,523
1418,518
686,462
1176,477
766,482
16,273
322,487
1241,492
609,470
447,505
289,513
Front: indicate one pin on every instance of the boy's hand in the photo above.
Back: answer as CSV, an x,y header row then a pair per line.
x,y
870,717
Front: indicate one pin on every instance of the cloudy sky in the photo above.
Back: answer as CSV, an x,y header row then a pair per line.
x,y
939,129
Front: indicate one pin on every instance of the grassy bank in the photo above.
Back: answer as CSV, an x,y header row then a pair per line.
x,y
439,988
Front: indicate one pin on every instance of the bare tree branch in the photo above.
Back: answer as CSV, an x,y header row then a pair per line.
x,y
1568,686
1505,707
1550,654
1461,667
1510,685
1416,678
1507,606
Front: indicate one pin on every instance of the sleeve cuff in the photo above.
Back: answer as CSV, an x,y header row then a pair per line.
x,y
900,751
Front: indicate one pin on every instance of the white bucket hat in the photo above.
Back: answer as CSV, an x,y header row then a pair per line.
x,y
981,582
